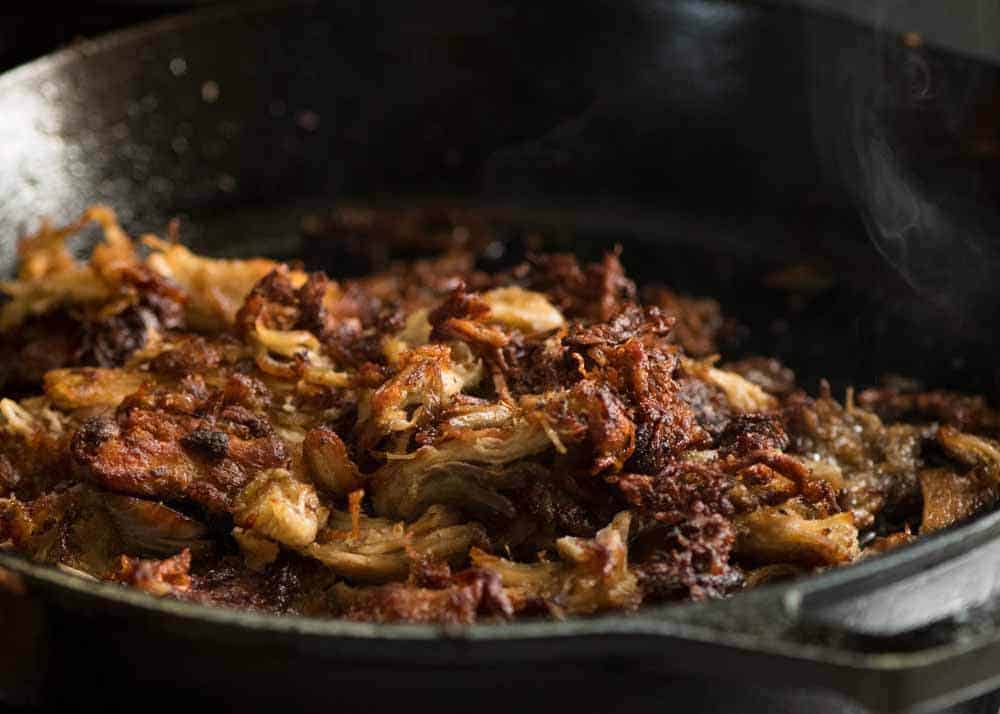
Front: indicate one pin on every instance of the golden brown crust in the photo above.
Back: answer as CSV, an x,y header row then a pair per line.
x,y
192,442
157,577
455,600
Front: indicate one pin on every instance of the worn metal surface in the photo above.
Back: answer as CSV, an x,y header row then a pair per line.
x,y
969,27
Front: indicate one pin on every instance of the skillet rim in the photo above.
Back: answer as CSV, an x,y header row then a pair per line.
x,y
657,621
90,46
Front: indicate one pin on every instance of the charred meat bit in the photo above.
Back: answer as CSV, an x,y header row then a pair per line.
x,y
212,444
692,560
595,292
147,304
752,432
459,599
698,322
962,411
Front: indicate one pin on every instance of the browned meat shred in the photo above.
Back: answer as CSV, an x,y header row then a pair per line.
x,y
191,442
452,599
699,322
965,412
434,443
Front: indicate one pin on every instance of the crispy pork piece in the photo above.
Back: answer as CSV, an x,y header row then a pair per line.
x,y
466,317
49,277
794,533
466,467
674,494
277,506
981,453
169,576
87,530
104,309
216,288
703,511
878,464
645,379
590,413
92,387
461,600
690,559
276,323
427,380
950,497
699,321
329,464
591,575
382,550
323,324
142,309
183,442
962,411
595,292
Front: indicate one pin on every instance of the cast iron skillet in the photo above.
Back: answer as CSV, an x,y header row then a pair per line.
x,y
685,131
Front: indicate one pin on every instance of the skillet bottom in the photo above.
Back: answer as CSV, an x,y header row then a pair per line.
x,y
93,662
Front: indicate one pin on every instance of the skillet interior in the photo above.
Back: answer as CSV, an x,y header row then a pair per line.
x,y
684,124
647,125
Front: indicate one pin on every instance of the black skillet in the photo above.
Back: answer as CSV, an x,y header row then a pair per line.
x,y
716,141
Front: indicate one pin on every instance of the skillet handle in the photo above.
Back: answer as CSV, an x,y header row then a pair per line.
x,y
924,618
946,581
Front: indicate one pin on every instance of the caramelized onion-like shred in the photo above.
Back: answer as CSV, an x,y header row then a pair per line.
x,y
328,462
525,310
384,550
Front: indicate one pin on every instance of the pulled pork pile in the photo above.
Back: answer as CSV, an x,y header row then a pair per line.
x,y
434,443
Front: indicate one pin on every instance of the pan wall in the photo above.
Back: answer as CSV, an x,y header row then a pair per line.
x,y
721,139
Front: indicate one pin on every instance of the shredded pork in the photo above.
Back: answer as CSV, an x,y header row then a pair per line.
x,y
435,443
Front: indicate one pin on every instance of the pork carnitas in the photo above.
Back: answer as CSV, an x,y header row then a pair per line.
x,y
435,443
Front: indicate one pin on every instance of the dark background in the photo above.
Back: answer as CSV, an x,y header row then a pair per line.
x,y
27,32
